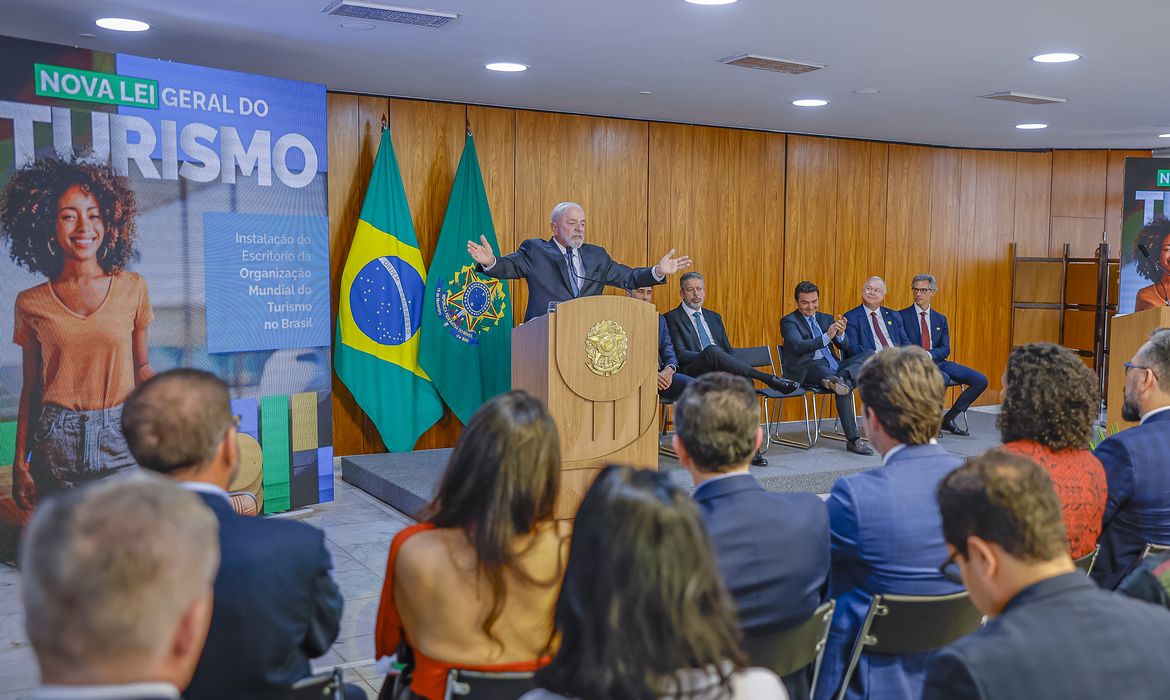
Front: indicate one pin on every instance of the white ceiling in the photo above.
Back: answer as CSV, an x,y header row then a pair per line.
x,y
931,59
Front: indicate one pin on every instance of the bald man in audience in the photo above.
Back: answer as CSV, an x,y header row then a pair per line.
x,y
117,585
872,326
670,382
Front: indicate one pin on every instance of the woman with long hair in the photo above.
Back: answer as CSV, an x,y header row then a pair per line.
x,y
473,585
83,331
1152,257
643,613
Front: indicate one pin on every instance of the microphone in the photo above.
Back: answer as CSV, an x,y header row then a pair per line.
x,y
1158,266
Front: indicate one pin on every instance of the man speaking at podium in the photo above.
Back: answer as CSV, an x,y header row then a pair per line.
x,y
565,267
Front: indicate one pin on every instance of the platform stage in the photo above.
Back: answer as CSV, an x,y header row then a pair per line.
x,y
407,480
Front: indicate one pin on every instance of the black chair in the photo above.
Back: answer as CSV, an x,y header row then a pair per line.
x,y
478,685
793,649
1154,548
1086,562
665,417
810,423
760,357
907,624
950,384
327,685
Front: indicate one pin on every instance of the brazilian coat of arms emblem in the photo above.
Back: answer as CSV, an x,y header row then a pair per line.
x,y
470,303
606,348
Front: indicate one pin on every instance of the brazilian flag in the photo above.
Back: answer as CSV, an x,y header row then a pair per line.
x,y
376,353
466,342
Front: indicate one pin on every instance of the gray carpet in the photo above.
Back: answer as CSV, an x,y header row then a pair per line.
x,y
407,480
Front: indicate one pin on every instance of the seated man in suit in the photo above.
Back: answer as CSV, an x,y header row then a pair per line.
x,y
1052,633
117,582
670,382
885,527
926,327
807,357
1137,467
276,604
772,548
872,326
565,266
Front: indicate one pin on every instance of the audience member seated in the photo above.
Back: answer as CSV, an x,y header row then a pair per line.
x,y
116,578
1051,633
772,548
276,605
474,584
884,523
1137,465
872,326
671,383
643,612
807,357
1050,400
928,328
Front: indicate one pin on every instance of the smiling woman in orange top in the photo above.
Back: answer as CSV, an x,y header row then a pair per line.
x,y
473,586
1050,400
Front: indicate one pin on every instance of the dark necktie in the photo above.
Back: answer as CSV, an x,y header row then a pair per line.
x,y
704,339
877,329
816,333
925,331
572,273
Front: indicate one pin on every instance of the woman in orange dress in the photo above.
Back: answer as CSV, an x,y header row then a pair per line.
x,y
473,586
1050,400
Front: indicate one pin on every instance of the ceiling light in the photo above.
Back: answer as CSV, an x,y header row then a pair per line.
x,y
710,2
357,26
644,92
1031,126
866,91
810,103
120,24
505,67
1056,57
87,35
1164,136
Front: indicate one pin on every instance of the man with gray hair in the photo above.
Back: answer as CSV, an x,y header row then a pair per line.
x,y
1137,511
117,585
565,267
928,329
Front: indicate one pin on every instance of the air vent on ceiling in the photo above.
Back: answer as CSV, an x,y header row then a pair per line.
x,y
356,9
1025,98
777,65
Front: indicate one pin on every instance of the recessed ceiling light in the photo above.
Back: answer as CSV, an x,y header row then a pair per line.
x,y
1164,136
711,2
644,92
121,24
1031,126
1056,57
87,35
810,103
866,91
505,67
357,26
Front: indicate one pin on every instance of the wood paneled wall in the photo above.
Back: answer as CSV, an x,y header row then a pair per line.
x,y
758,212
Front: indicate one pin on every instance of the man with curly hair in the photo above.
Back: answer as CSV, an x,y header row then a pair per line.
x,y
83,331
1153,263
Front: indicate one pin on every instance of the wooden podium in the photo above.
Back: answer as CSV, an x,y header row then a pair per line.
x,y
594,363
1126,334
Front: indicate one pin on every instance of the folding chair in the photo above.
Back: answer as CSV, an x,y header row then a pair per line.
x,y
793,649
1086,562
665,409
326,685
478,685
952,383
1154,548
760,357
810,423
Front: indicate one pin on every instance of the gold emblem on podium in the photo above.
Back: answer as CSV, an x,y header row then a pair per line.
x,y
606,348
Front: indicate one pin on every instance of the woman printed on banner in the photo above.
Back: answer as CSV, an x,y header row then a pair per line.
x,y
83,331
1153,263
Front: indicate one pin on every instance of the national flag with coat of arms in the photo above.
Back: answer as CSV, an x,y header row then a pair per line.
x,y
379,312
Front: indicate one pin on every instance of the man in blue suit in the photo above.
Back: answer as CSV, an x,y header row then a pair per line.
x,y
1052,634
566,267
276,604
772,548
670,383
929,329
1137,467
886,532
872,326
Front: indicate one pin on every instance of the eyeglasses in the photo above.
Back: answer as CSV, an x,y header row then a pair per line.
x,y
950,569
921,290
1129,365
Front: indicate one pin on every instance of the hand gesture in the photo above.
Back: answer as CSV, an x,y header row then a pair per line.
x,y
482,252
669,265
665,378
24,489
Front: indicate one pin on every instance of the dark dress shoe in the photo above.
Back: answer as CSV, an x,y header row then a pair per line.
x,y
953,429
857,447
782,385
836,384
759,461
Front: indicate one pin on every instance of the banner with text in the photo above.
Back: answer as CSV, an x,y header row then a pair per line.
x,y
1145,235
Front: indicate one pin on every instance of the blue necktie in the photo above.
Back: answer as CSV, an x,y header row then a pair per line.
x,y
572,274
817,332
704,339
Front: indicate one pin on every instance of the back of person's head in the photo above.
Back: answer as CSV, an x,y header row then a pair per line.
x,y
177,420
1050,396
904,390
1005,499
642,597
718,421
117,579
501,482
1156,354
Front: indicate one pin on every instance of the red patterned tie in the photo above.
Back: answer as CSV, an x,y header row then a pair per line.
x,y
925,331
877,329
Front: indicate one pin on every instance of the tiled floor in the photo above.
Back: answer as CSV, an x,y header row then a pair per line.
x,y
358,530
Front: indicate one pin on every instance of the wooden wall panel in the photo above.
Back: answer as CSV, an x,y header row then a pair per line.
x,y
944,226
1033,202
1114,194
1078,201
494,130
861,220
811,214
907,235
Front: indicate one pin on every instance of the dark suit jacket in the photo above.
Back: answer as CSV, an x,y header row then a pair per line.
x,y
276,607
799,344
1138,508
541,263
685,338
860,328
940,331
1060,639
666,354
